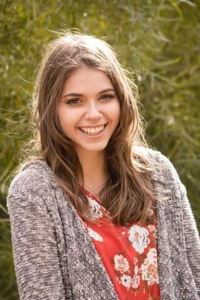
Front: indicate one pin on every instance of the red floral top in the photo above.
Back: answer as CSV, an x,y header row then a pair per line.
x,y
129,254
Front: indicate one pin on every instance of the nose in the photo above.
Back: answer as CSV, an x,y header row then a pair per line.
x,y
92,111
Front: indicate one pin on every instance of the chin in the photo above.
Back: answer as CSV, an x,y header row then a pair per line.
x,y
91,149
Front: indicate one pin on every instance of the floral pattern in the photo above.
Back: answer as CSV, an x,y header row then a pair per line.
x,y
95,208
121,263
129,254
93,234
138,236
126,280
149,267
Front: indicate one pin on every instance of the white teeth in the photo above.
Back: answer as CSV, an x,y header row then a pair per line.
x,y
92,130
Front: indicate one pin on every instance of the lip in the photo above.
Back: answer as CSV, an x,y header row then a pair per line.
x,y
93,135
94,126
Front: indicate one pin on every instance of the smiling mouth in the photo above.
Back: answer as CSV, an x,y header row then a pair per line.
x,y
92,130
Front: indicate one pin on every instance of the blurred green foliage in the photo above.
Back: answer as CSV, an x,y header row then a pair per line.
x,y
157,40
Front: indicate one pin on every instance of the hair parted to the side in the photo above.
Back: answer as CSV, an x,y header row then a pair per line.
x,y
128,193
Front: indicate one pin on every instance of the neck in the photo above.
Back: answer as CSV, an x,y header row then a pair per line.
x,y
95,171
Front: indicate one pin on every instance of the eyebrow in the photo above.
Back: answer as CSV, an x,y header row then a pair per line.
x,y
78,95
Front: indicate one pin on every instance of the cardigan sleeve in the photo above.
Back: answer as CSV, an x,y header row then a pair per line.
x,y
190,232
192,240
35,250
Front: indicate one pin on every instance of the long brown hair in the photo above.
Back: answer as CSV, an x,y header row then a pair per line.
x,y
128,193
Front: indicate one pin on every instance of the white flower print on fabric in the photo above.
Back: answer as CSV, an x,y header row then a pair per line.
x,y
93,234
121,263
136,279
138,236
135,282
126,281
152,228
149,268
95,208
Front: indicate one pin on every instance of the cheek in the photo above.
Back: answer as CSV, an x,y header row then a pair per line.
x,y
63,119
69,123
66,125
116,110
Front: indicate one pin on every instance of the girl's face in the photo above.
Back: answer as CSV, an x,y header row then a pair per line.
x,y
89,109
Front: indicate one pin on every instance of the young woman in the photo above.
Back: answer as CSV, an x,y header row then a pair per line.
x,y
95,214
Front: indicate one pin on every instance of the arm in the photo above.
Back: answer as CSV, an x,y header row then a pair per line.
x,y
192,240
190,233
35,251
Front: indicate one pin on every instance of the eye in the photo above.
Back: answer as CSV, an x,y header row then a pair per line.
x,y
73,101
107,96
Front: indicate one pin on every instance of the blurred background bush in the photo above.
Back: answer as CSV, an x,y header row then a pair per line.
x,y
157,40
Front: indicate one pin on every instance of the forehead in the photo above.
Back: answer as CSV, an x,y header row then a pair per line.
x,y
85,78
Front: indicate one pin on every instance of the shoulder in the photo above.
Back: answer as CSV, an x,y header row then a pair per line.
x,y
34,176
162,168
167,183
154,157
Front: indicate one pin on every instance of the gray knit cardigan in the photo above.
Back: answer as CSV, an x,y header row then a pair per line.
x,y
55,258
